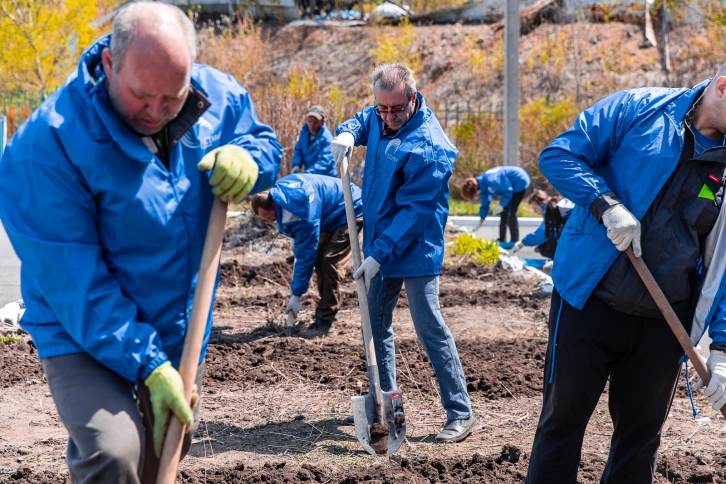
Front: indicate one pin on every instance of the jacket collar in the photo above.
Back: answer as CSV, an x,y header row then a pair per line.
x,y
421,115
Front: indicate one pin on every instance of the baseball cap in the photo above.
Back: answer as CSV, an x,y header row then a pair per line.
x,y
316,111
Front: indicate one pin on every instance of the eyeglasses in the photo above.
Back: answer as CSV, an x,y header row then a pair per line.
x,y
395,110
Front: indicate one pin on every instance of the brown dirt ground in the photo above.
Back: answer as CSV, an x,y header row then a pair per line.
x,y
272,407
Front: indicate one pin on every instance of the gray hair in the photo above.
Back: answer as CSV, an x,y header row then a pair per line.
x,y
126,24
390,77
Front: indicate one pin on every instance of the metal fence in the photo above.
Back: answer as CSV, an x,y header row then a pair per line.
x,y
3,133
17,106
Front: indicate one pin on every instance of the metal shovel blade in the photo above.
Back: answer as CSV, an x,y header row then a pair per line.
x,y
290,324
364,417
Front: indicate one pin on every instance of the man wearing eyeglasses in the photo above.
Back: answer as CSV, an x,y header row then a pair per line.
x,y
405,205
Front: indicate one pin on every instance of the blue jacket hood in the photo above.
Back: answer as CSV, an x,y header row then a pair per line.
x,y
109,238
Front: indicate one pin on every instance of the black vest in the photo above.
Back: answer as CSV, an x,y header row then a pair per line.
x,y
673,232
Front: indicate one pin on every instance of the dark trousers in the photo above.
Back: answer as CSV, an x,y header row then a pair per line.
x,y
509,217
110,427
333,258
639,355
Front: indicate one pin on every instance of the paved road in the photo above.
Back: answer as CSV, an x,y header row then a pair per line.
x,y
9,271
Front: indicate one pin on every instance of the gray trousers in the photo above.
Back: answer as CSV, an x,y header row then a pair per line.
x,y
109,427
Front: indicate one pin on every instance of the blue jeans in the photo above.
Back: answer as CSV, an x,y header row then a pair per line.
x,y
432,332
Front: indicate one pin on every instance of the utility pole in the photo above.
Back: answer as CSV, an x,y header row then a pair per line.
x,y
511,83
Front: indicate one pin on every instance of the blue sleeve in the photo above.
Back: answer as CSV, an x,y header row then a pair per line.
x,y
535,238
507,190
255,137
571,162
307,239
357,126
325,156
297,156
61,254
418,200
717,327
486,201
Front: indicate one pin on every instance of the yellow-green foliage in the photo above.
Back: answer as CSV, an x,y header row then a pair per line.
x,y
460,207
485,252
7,339
395,44
42,40
487,64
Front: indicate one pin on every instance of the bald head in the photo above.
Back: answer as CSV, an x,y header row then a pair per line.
x,y
148,67
156,28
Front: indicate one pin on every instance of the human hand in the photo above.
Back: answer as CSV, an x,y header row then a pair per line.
x,y
234,172
716,390
295,169
497,210
367,269
166,390
517,246
623,228
294,305
342,146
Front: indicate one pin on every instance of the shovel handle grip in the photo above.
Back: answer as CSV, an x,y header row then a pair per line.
x,y
171,450
671,318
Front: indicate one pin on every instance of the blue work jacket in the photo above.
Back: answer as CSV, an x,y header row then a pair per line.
x,y
405,191
628,143
314,152
500,181
305,206
110,240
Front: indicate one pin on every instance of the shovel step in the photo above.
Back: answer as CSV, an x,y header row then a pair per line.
x,y
364,417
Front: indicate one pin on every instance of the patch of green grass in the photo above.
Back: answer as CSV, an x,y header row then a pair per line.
x,y
9,338
460,207
485,252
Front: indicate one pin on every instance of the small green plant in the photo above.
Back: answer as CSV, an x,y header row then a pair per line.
x,y
460,207
485,252
9,338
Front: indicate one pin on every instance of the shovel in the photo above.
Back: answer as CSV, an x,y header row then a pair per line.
x,y
670,316
378,416
290,324
171,451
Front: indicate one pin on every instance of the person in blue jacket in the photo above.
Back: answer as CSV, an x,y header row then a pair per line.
x,y
409,160
645,168
555,211
311,210
106,202
312,150
507,182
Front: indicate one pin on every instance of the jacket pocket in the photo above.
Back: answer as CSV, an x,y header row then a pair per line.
x,y
702,214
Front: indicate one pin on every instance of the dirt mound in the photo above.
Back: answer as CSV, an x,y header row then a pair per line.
x,y
249,229
234,274
19,364
496,369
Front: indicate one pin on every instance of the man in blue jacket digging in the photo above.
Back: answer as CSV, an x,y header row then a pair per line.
x,y
644,168
409,161
311,210
106,202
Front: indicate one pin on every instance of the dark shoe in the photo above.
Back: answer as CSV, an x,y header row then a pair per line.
x,y
317,329
349,420
456,430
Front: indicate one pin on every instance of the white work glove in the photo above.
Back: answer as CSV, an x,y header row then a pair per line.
x,y
623,228
368,269
295,169
517,246
294,305
342,146
497,210
716,390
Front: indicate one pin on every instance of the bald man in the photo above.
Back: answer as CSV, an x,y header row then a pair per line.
x,y
105,193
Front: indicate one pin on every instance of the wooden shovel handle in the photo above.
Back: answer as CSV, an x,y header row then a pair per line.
x,y
208,267
670,316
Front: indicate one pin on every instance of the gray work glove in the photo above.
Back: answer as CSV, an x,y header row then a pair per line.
x,y
497,210
342,146
623,228
295,169
294,305
716,390
367,269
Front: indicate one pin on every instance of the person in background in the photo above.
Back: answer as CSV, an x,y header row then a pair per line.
x,y
311,210
555,211
507,182
312,150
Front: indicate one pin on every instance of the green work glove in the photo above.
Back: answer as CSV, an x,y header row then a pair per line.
x,y
235,172
167,394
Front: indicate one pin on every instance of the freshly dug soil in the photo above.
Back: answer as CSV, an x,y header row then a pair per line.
x,y
496,369
234,274
19,364
379,438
